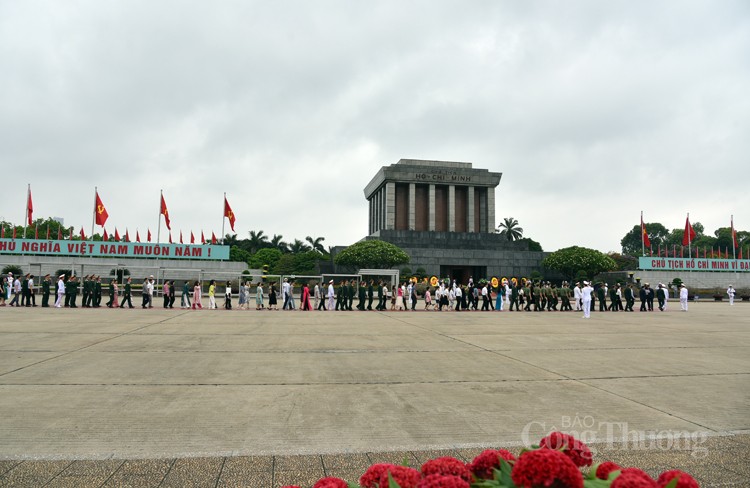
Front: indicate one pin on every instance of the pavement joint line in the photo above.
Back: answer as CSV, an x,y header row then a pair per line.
x,y
59,473
82,348
221,470
112,475
354,383
169,470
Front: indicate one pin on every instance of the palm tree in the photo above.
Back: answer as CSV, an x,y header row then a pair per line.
x,y
298,247
510,229
316,243
277,243
258,240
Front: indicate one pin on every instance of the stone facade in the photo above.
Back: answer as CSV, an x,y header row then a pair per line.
x,y
442,214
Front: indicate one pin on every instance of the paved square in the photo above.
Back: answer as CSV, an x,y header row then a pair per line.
x,y
165,384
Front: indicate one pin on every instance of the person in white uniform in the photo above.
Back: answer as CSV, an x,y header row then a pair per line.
x,y
331,296
60,291
577,296
683,298
730,292
586,298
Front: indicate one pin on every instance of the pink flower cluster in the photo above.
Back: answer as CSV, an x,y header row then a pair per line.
x,y
556,463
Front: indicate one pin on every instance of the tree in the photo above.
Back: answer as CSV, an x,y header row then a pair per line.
x,y
533,245
510,229
277,243
12,268
372,254
657,234
258,240
263,257
298,246
623,262
316,244
239,255
571,260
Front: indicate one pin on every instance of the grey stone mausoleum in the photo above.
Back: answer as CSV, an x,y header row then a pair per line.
x,y
442,213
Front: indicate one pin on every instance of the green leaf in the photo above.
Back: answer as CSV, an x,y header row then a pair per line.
x,y
504,475
591,475
405,462
596,483
673,483
391,482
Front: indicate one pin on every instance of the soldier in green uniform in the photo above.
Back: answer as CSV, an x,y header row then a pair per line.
x,y
370,295
564,294
362,296
45,290
98,292
542,292
126,295
85,291
514,296
527,296
73,283
341,296
350,295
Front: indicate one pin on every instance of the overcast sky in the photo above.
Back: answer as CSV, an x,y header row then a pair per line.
x,y
593,111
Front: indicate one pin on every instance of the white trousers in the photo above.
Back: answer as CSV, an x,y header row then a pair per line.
x,y
683,304
731,299
586,309
59,301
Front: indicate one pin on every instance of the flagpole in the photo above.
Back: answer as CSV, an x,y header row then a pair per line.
x,y
158,226
734,252
690,226
643,242
26,215
223,215
93,216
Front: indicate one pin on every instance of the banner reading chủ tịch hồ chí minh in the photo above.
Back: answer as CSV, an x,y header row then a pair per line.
x,y
649,263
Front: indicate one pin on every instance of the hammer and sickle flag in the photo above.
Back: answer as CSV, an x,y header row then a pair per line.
x,y
228,213
100,211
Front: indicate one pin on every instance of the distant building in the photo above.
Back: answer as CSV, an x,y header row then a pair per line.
x,y
442,213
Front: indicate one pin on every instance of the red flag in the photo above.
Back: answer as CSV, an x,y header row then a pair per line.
x,y
165,213
127,237
740,253
203,238
181,236
682,251
734,235
170,237
137,236
14,232
696,253
83,235
100,211
646,240
36,232
689,235
148,235
48,232
105,237
213,238
117,234
228,213
192,238
59,233
29,208
674,250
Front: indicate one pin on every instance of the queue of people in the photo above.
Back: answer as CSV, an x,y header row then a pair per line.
x,y
511,295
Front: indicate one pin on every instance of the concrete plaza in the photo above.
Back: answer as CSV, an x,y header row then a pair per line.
x,y
99,397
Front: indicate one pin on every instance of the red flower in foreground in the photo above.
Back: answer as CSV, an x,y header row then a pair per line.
x,y
371,478
633,478
483,464
577,451
546,468
442,481
602,472
686,481
405,477
331,482
446,466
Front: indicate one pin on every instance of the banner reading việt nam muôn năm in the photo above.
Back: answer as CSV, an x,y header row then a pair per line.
x,y
114,249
